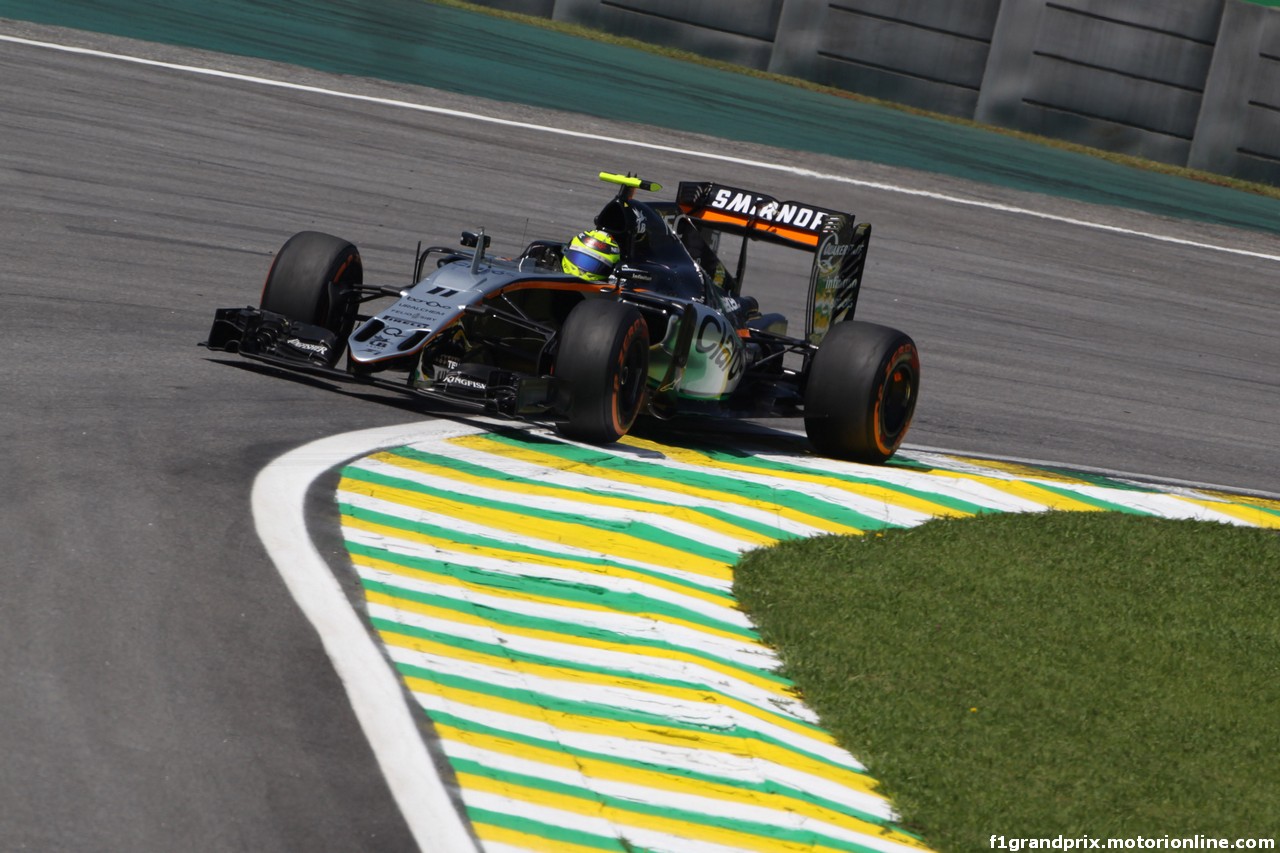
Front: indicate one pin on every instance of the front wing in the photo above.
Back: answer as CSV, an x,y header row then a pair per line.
x,y
276,340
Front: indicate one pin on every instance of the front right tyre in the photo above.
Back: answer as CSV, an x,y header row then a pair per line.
x,y
315,279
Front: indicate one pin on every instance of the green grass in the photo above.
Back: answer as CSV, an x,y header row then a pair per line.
x,y
1029,675
685,56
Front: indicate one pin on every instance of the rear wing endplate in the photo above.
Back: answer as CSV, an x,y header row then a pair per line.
x,y
836,277
839,246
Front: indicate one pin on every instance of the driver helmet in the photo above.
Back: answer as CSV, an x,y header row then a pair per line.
x,y
591,255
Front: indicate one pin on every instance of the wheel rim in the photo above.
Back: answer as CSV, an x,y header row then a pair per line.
x,y
897,401
630,382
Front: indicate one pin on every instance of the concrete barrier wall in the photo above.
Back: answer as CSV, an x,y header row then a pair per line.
x,y
1238,132
924,53
1187,82
738,31
1121,76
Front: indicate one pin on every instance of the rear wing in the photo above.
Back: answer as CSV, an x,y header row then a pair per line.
x,y
839,246
723,208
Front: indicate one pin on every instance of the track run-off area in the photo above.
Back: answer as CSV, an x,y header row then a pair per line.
x,y
564,616
538,639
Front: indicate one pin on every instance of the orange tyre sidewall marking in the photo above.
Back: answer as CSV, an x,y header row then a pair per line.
x,y
615,398
893,365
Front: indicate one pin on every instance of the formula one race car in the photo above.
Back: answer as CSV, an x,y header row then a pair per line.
x,y
638,316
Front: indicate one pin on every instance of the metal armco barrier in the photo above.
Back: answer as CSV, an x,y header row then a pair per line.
x,y
1189,82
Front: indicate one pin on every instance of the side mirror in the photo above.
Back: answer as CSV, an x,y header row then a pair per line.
x,y
470,239
479,242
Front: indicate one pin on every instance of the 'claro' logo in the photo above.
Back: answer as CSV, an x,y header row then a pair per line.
x,y
769,209
720,345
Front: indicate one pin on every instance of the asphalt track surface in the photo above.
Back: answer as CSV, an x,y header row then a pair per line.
x,y
424,43
161,690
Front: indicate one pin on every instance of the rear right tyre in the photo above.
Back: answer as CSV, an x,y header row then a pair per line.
x,y
861,392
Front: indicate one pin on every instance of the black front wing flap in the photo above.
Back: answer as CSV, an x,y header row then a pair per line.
x,y
277,340
252,331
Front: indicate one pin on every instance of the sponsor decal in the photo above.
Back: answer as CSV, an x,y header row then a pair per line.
x,y
462,380
720,345
419,322
790,213
844,301
834,283
641,228
417,312
831,252
826,284
305,346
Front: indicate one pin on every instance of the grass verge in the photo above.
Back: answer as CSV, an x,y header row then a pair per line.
x,y
1033,675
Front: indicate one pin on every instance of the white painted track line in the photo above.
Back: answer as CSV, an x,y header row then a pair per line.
x,y
704,155
373,687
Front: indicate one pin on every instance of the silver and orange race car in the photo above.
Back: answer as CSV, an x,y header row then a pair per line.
x,y
667,333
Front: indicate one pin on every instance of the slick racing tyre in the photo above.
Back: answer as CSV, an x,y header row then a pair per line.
x,y
314,279
861,392
603,360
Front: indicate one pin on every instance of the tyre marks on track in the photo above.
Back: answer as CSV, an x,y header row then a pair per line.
x,y
565,617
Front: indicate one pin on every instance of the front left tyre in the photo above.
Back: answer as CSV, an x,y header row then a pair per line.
x,y
315,279
602,360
